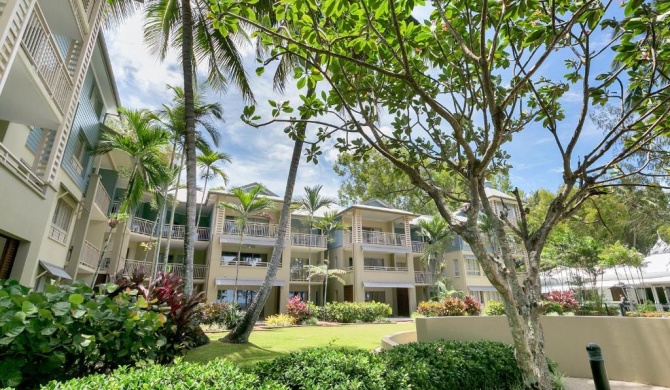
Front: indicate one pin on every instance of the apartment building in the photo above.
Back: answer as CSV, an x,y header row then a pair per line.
x,y
56,87
460,264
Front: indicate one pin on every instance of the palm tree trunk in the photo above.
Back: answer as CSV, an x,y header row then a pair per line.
x,y
202,200
309,262
237,265
325,286
187,67
243,329
159,235
172,212
102,254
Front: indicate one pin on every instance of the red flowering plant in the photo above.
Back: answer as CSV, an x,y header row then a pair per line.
x,y
298,309
564,298
472,306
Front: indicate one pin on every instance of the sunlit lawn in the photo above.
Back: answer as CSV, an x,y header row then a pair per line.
x,y
268,344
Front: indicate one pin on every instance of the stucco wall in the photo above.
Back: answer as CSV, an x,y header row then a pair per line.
x,y
635,349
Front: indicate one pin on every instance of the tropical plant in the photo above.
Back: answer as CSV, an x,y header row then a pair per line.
x,y
329,223
249,203
436,233
298,309
207,161
310,202
280,320
144,141
324,273
494,308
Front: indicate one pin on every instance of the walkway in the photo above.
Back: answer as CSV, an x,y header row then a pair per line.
x,y
587,384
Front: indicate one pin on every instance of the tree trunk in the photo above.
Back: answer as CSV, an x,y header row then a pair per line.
x,y
187,67
325,286
172,212
202,200
102,254
159,236
237,265
243,329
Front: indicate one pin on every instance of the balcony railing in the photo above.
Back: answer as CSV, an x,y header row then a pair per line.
x,y
419,246
199,270
308,240
21,170
43,54
57,234
384,268
102,198
246,261
381,238
299,274
424,277
76,165
253,229
90,255
146,227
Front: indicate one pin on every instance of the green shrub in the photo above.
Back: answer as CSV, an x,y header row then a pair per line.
x,y
67,331
494,308
553,307
645,307
327,368
279,320
449,306
218,374
453,365
351,312
223,315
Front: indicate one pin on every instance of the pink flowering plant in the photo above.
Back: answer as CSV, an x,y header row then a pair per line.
x,y
298,309
566,299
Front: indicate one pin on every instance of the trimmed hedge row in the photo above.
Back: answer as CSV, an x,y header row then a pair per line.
x,y
433,365
351,312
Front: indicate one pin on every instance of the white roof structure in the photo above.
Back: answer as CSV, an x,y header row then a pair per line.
x,y
655,271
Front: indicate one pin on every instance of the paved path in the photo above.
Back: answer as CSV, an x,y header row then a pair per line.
x,y
587,384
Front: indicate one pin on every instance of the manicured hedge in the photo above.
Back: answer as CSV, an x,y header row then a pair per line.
x,y
351,312
327,368
454,365
218,374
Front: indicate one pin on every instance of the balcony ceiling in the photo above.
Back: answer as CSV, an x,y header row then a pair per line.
x,y
60,17
25,100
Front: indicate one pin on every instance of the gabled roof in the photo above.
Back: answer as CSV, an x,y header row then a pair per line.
x,y
660,247
378,205
249,186
493,193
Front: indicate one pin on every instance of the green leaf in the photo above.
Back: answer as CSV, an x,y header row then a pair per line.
x,y
61,308
260,70
78,313
49,330
28,308
76,299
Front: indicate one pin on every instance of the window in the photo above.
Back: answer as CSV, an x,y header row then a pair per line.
x,y
96,100
473,267
244,297
368,262
60,223
457,269
301,294
375,296
249,259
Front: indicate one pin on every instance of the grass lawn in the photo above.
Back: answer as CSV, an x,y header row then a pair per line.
x,y
268,344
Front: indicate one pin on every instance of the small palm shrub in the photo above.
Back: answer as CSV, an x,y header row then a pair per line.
x,y
645,307
279,320
494,308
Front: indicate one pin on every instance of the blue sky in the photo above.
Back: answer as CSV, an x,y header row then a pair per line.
x,y
263,155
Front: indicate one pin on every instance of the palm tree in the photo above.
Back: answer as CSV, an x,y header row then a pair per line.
x,y
310,202
173,118
209,170
328,224
250,203
185,26
321,271
436,232
144,141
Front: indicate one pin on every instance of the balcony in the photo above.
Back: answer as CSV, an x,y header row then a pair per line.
x,y
199,270
252,229
90,255
385,268
102,199
68,17
419,246
21,171
147,228
299,274
246,261
381,238
57,234
309,240
424,277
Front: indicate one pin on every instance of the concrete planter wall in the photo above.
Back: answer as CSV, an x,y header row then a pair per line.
x,y
635,349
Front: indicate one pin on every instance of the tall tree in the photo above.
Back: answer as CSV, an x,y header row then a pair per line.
x,y
310,202
249,203
144,141
207,161
329,223
458,87
185,26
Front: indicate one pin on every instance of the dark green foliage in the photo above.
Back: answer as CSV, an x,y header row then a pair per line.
x,y
350,312
69,331
218,374
454,365
327,368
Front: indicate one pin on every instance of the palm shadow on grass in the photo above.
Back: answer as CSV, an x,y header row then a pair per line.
x,y
242,354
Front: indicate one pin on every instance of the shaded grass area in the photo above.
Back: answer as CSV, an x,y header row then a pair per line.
x,y
271,343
